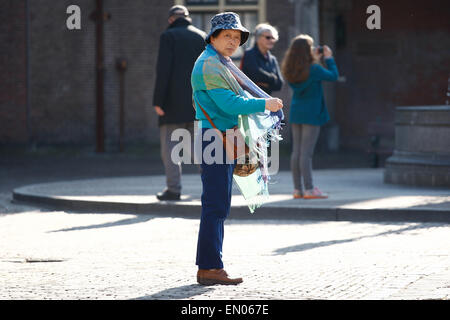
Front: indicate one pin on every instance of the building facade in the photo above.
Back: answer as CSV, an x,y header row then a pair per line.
x,y
49,88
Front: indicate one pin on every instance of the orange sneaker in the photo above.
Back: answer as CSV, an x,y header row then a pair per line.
x,y
297,194
314,194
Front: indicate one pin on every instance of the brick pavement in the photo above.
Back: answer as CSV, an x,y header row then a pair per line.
x,y
63,255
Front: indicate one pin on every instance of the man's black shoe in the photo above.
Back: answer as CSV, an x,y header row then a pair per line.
x,y
167,195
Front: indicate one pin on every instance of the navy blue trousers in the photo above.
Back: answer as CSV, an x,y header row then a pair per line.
x,y
217,180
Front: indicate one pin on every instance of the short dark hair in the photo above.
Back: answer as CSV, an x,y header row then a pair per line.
x,y
215,34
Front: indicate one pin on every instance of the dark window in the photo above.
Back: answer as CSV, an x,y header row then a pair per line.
x,y
195,2
237,2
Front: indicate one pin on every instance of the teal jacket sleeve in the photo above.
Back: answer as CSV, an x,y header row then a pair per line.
x,y
330,73
318,73
233,104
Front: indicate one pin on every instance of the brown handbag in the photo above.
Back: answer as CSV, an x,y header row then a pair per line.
x,y
231,143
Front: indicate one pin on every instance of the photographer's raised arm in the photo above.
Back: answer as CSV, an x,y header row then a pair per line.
x,y
330,73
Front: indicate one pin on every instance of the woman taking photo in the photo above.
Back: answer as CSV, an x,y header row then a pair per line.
x,y
218,94
302,70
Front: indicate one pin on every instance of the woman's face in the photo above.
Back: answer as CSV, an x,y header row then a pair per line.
x,y
227,42
314,52
266,41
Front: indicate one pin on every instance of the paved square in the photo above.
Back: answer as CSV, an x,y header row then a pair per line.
x,y
62,255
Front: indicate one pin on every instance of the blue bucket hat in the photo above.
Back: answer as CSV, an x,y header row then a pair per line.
x,y
228,21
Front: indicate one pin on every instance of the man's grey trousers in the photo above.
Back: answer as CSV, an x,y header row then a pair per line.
x,y
173,170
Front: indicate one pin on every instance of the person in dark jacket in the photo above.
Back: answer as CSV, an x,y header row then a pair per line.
x,y
179,47
259,64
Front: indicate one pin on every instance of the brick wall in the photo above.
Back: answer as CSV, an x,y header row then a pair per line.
x,y
62,75
133,33
63,72
13,95
404,63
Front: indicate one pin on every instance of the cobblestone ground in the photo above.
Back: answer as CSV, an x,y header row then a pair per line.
x,y
62,255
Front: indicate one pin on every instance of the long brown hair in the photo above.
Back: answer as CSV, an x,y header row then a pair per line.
x,y
298,59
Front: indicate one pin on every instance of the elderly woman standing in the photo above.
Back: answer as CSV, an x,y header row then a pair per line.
x,y
217,93
259,64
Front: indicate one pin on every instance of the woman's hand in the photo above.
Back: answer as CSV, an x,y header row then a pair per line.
x,y
274,104
159,111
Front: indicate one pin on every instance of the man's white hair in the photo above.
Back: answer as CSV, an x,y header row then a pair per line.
x,y
265,27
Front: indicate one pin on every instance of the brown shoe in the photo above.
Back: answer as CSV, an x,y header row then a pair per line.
x,y
215,276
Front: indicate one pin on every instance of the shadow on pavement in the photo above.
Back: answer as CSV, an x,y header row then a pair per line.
x,y
314,245
135,219
182,292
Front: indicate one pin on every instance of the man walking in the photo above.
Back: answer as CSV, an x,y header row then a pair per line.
x,y
179,47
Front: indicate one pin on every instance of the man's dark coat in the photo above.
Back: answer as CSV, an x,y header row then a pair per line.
x,y
179,47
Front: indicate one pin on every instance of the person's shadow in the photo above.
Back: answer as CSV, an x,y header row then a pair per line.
x,y
182,292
